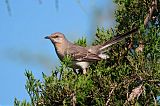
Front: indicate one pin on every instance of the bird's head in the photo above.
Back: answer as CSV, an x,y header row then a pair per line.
x,y
56,37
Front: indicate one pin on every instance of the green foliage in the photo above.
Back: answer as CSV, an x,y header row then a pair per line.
x,y
103,35
22,103
130,13
81,42
130,77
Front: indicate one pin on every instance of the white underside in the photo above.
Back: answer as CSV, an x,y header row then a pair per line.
x,y
103,56
83,65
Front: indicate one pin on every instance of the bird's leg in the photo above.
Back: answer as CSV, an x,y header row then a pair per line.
x,y
75,71
82,71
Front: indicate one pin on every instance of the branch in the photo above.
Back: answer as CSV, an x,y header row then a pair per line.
x,y
151,11
57,4
155,101
73,99
8,7
40,1
136,92
110,93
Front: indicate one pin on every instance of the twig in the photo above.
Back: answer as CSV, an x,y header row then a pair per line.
x,y
8,7
40,1
57,4
155,101
110,93
151,11
82,7
136,92
73,99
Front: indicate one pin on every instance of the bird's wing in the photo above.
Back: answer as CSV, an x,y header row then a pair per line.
x,y
79,53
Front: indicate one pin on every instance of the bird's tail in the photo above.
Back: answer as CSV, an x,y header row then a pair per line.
x,y
117,39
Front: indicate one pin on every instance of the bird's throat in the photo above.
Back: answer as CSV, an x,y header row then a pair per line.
x,y
59,47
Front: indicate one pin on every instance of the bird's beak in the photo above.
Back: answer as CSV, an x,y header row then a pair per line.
x,y
47,37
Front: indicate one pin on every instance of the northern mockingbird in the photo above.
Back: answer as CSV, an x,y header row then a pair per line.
x,y
82,57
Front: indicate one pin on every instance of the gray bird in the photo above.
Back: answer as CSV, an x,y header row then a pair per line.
x,y
82,57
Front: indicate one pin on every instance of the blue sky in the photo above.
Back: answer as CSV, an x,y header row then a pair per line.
x,y
22,43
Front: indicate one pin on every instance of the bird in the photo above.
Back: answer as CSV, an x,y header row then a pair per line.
x,y
82,57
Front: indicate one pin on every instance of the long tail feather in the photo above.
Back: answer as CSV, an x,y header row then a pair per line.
x,y
117,39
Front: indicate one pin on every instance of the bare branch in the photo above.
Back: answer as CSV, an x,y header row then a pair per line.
x,y
8,7
73,99
57,4
40,1
151,11
110,93
136,92
82,7
155,101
